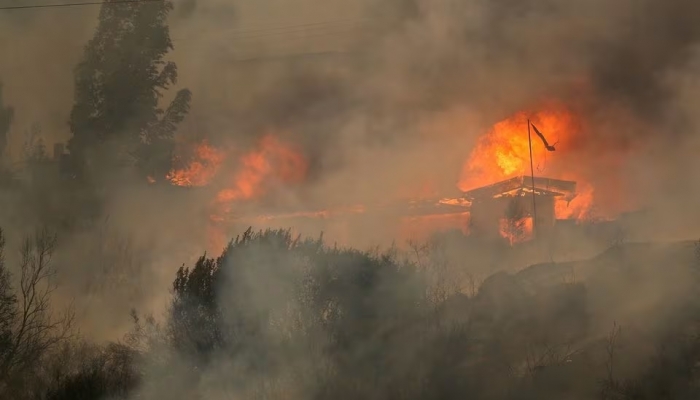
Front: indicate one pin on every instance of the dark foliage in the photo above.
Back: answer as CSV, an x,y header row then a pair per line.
x,y
275,316
369,319
119,84
109,374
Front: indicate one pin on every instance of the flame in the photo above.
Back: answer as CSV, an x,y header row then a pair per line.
x,y
253,174
580,207
501,153
205,164
504,152
271,162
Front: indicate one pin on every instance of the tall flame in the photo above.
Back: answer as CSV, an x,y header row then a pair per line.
x,y
504,152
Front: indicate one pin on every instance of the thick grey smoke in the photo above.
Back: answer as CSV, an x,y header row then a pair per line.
x,y
368,94
348,77
386,96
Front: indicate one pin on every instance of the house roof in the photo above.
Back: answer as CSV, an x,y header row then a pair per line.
x,y
523,184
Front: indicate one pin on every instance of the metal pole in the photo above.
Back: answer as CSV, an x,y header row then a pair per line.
x,y
532,176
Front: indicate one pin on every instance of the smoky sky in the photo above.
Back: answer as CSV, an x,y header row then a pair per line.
x,y
623,48
659,36
382,96
347,80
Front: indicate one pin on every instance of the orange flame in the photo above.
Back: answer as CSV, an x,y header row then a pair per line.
x,y
504,152
581,207
201,170
272,161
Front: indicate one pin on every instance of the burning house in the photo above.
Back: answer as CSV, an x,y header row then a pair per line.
x,y
517,208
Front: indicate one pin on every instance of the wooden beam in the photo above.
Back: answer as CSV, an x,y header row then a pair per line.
x,y
561,187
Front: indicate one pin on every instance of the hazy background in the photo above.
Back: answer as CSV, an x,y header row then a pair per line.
x,y
399,88
385,99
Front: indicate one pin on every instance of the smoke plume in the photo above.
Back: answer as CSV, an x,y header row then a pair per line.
x,y
386,99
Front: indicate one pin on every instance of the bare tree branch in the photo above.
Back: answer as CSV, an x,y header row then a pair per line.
x,y
34,328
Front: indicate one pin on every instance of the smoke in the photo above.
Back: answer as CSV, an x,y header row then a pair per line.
x,y
40,49
387,98
358,89
348,77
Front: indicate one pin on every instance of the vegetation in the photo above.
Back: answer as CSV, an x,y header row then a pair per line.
x,y
279,316
116,118
29,327
119,124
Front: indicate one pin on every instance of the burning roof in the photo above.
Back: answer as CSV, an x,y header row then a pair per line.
x,y
521,185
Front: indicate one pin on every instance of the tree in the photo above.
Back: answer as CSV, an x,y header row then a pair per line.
x,y
8,302
7,113
116,119
105,372
272,300
29,329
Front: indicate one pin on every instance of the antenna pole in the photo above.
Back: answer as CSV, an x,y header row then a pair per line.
x,y
532,176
